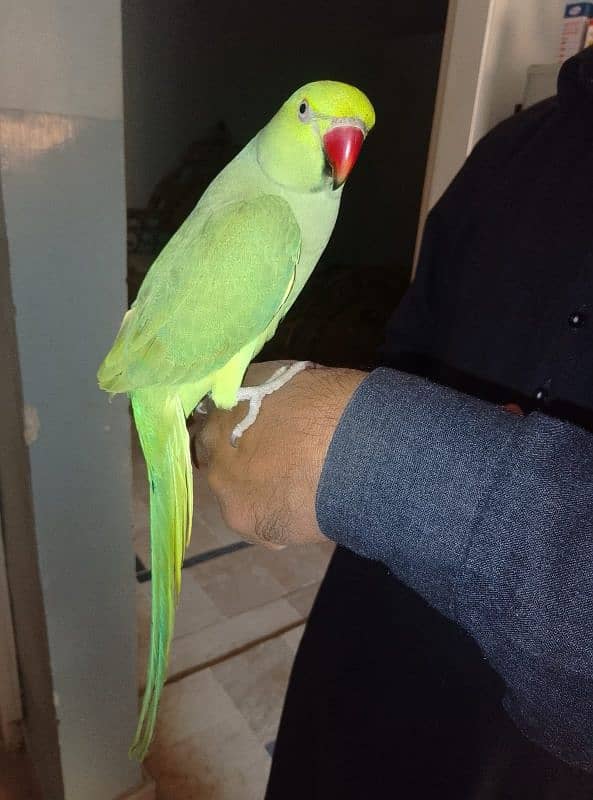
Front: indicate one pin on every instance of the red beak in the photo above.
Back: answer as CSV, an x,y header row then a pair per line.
x,y
342,145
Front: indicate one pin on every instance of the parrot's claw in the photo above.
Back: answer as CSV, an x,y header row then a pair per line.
x,y
255,395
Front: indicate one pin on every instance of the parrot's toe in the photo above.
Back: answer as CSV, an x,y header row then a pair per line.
x,y
255,394
202,407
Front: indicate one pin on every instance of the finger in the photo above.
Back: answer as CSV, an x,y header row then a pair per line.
x,y
198,452
195,452
207,437
260,371
513,408
200,455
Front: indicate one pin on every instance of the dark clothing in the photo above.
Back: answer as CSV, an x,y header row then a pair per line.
x,y
487,516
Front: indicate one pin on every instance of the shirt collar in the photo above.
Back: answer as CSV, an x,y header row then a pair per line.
x,y
575,81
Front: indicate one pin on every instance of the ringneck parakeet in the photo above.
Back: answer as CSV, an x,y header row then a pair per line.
x,y
211,300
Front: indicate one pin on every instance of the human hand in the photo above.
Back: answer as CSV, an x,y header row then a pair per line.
x,y
266,486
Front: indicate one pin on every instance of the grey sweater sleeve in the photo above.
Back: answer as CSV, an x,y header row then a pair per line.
x,y
488,516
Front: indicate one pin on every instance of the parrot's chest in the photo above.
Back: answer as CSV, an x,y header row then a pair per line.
x,y
316,215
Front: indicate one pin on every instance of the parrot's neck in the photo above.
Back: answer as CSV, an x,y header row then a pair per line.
x,y
315,212
316,215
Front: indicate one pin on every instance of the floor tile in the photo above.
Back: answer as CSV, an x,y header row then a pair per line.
x,y
225,604
293,637
216,641
302,599
256,680
194,705
210,770
204,747
295,567
270,747
196,610
239,581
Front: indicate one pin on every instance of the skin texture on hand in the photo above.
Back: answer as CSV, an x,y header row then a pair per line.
x,y
266,486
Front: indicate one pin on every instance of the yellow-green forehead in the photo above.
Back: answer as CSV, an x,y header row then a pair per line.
x,y
337,100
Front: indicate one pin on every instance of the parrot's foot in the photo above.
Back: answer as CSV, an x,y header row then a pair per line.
x,y
255,395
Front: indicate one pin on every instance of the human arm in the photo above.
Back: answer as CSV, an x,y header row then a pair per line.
x,y
485,514
489,516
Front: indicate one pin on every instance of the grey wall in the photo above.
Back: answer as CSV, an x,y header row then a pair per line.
x,y
188,64
20,560
62,174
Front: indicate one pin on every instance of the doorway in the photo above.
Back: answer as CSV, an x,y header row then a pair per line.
x,y
199,82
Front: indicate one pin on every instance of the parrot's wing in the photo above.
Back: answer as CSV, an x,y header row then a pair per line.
x,y
214,288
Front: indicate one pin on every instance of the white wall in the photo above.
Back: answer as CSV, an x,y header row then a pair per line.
x,y
489,44
461,62
62,56
62,180
518,35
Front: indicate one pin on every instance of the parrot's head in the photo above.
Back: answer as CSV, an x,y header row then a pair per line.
x,y
313,141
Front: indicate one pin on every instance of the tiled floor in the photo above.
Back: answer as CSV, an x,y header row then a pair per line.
x,y
238,625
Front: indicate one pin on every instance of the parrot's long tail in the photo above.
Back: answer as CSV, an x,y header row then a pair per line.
x,y
160,421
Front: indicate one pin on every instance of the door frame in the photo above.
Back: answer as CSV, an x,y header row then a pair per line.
x,y
11,709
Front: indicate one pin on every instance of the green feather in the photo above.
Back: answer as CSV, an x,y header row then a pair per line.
x,y
160,421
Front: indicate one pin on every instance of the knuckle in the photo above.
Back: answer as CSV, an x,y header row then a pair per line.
x,y
268,527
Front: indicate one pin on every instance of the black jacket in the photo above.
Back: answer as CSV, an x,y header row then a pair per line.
x,y
387,697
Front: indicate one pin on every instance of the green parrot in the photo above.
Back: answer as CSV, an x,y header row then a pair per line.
x,y
208,304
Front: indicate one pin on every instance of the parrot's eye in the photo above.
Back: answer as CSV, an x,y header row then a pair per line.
x,y
304,111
